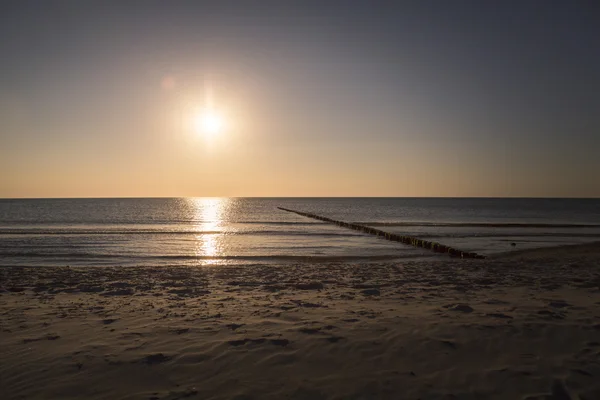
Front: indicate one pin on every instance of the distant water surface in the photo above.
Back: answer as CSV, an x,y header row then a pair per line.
x,y
213,231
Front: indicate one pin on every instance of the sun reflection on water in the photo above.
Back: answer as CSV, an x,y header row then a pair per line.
x,y
208,216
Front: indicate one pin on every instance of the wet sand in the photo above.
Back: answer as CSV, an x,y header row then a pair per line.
x,y
524,325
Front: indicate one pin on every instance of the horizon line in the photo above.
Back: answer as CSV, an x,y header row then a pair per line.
x,y
301,197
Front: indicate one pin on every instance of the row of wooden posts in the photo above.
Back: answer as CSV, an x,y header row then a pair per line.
x,y
410,240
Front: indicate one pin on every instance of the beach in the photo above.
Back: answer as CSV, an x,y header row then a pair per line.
x,y
524,325
299,200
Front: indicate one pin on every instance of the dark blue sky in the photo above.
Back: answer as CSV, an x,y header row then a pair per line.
x,y
434,98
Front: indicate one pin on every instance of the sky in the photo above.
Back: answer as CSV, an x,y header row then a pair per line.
x,y
317,98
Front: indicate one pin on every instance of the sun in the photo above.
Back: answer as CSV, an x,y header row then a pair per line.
x,y
209,122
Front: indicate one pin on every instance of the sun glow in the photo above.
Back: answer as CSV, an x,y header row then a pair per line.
x,y
209,122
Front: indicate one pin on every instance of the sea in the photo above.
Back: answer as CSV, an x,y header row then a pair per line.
x,y
209,232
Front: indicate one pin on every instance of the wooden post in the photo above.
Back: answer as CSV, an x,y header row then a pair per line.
x,y
416,242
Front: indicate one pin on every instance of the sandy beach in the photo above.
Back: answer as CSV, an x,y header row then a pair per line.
x,y
524,325
299,200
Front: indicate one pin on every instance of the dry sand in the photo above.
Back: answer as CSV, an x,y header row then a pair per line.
x,y
518,326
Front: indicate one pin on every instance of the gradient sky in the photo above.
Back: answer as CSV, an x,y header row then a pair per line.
x,y
322,98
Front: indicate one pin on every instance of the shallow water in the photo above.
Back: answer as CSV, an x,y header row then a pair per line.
x,y
200,231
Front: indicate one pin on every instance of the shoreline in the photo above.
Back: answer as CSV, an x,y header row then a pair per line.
x,y
580,249
561,250
523,325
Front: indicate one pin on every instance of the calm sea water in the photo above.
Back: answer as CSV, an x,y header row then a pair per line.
x,y
209,231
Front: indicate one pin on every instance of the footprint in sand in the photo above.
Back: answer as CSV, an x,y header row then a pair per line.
x,y
155,359
277,342
233,327
310,331
371,292
498,315
449,343
459,307
559,304
47,337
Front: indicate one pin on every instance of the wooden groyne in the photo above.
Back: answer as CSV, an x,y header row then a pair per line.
x,y
409,240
